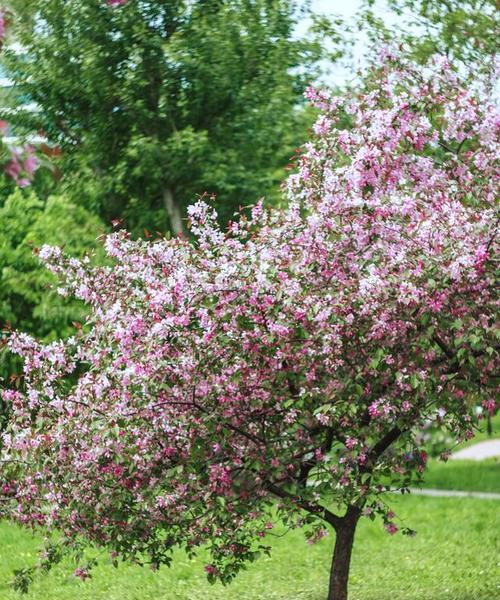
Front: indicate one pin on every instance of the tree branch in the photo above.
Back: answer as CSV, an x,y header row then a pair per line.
x,y
381,446
443,346
320,511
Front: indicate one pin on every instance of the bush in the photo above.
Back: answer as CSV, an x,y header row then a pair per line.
x,y
26,298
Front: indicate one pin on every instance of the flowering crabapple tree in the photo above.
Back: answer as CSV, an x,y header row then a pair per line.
x,y
279,370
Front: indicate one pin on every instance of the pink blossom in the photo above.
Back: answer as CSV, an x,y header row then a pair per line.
x,y
83,574
22,165
322,418
490,406
322,125
391,528
318,535
3,24
13,168
30,163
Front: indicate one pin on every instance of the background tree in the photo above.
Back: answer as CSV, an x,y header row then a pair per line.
x,y
464,30
27,298
281,369
155,101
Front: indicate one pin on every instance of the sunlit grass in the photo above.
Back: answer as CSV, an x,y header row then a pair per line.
x,y
455,556
468,475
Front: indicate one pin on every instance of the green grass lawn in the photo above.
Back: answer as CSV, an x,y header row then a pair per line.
x,y
455,556
468,475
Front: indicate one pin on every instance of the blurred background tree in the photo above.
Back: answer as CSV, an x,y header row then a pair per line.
x,y
28,299
464,30
155,101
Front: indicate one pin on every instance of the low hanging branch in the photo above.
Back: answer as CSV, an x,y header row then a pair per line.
x,y
276,370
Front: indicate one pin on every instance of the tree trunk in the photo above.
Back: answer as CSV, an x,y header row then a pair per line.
x,y
339,573
173,212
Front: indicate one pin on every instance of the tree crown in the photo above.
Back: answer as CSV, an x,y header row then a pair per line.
x,y
281,368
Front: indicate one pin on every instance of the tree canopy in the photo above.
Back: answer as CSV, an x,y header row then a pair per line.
x,y
154,102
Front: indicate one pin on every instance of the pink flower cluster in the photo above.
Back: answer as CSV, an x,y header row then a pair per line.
x,y
22,165
82,574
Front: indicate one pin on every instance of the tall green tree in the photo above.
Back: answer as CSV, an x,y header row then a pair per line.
x,y
155,101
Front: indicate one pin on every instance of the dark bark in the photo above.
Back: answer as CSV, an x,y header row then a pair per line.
x,y
314,509
339,573
173,212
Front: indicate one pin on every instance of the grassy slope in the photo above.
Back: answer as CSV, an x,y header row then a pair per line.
x,y
453,557
468,475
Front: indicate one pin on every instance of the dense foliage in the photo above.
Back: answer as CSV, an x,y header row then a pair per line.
x,y
28,300
464,30
157,101
281,369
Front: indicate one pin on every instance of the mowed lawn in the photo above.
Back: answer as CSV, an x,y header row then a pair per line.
x,y
454,556
467,475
